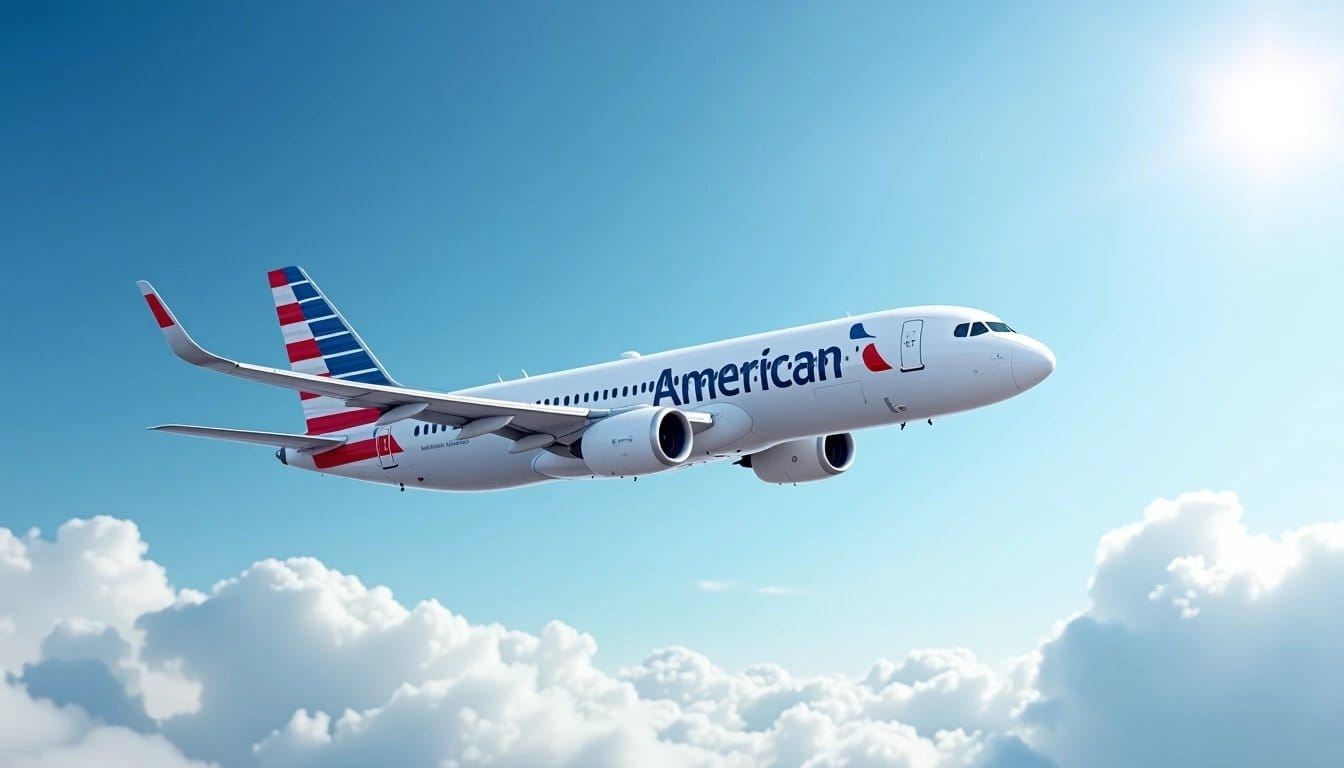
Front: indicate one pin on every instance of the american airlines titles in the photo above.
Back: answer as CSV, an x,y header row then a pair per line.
x,y
779,372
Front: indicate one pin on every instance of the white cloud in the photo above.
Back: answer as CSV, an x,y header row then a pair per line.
x,y
1202,644
94,571
713,585
39,734
1219,646
87,585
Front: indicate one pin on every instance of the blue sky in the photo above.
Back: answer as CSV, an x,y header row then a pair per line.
x,y
488,188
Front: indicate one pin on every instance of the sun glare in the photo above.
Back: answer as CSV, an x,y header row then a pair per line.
x,y
1273,111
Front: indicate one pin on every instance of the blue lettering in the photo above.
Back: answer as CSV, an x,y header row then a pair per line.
x,y
733,379
746,374
728,376
803,368
665,388
701,379
774,372
834,353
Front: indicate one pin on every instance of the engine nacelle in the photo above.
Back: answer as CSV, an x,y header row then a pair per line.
x,y
802,461
638,442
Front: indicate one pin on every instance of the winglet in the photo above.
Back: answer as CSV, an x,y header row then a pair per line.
x,y
178,340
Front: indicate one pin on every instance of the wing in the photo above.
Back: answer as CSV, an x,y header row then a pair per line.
x,y
307,443
475,415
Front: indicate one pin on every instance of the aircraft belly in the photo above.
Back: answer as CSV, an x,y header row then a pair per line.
x,y
479,464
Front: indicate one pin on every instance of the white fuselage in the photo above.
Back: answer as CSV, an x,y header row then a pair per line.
x,y
816,383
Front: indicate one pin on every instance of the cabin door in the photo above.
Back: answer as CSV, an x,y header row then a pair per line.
x,y
912,358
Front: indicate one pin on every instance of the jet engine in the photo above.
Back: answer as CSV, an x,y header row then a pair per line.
x,y
637,442
802,461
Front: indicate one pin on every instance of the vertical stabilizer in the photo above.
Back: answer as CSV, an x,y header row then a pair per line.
x,y
319,341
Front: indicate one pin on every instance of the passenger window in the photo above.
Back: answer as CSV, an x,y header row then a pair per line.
x,y
417,430
625,391
566,399
960,333
978,329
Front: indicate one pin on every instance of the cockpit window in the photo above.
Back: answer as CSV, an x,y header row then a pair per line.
x,y
978,328
1000,327
961,330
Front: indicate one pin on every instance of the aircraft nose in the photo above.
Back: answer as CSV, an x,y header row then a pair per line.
x,y
1032,362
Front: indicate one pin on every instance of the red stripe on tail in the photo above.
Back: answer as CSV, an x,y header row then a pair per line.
x,y
302,350
277,278
289,313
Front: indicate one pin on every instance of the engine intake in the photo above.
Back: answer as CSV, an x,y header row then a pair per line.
x,y
805,460
637,442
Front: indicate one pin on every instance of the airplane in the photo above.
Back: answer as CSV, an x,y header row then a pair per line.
x,y
783,404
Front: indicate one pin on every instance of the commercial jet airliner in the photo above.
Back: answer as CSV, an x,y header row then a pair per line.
x,y
782,404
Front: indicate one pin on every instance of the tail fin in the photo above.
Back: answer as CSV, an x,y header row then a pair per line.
x,y
319,341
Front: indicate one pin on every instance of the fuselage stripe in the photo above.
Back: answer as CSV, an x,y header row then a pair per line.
x,y
322,425
352,452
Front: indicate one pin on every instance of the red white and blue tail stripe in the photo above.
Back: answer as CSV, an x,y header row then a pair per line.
x,y
320,342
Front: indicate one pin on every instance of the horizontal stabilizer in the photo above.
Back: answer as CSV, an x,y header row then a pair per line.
x,y
277,439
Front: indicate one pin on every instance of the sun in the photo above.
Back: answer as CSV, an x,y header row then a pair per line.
x,y
1273,110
